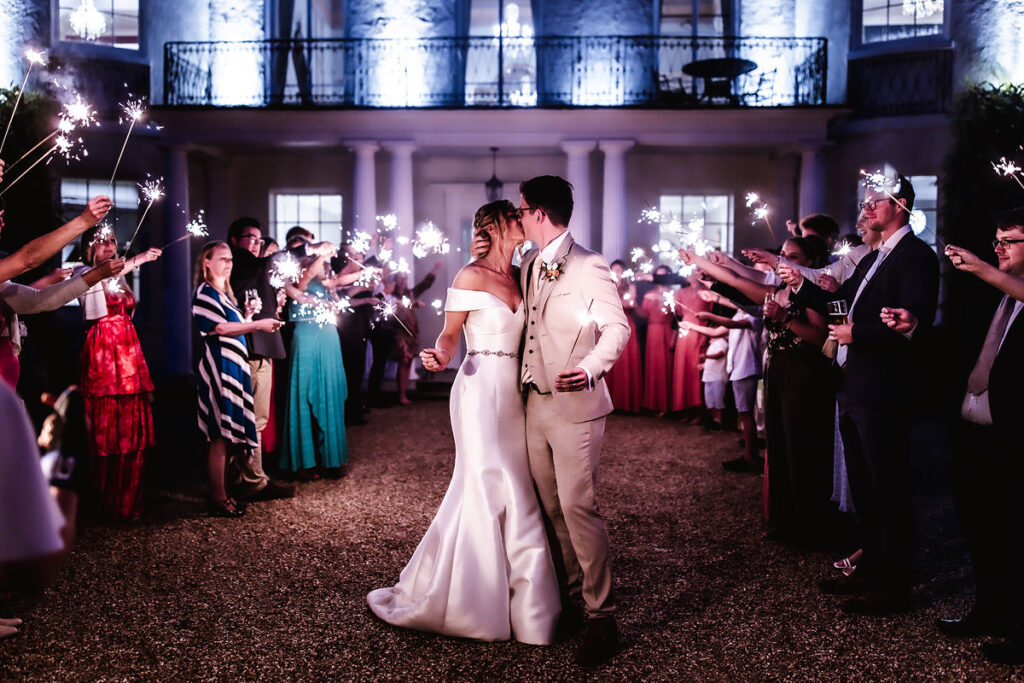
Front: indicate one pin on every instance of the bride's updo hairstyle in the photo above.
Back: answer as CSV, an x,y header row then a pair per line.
x,y
496,216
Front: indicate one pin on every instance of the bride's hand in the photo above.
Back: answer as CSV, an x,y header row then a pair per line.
x,y
434,360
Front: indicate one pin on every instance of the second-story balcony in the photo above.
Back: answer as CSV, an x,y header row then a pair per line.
x,y
613,71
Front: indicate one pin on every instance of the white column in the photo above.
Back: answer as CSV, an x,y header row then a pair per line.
x,y
176,265
577,172
364,201
401,197
614,222
812,180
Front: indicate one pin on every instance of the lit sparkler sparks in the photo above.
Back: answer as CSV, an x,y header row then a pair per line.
x,y
64,145
400,266
1008,169
389,309
668,301
430,240
760,210
322,312
132,111
151,190
104,233
34,57
650,216
842,249
113,285
360,241
75,114
687,270
389,221
637,254
194,228
438,306
883,182
918,221
285,270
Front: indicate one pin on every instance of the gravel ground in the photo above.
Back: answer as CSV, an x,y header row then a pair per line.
x,y
280,594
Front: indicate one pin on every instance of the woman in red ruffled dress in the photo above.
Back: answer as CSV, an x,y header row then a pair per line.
x,y
115,381
625,379
686,385
658,352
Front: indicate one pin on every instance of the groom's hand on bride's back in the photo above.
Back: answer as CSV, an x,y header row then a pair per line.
x,y
481,244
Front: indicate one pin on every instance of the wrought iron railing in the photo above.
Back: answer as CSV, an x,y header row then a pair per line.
x,y
494,72
902,83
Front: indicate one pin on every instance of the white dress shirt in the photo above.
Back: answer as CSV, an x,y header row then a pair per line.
x,y
975,407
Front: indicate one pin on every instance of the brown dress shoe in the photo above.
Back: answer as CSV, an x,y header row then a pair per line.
x,y
600,642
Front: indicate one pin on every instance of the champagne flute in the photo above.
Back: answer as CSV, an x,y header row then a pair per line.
x,y
253,303
838,313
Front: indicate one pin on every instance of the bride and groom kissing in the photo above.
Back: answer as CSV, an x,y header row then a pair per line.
x,y
518,539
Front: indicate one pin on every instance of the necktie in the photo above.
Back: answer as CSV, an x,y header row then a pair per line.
x,y
860,276
977,383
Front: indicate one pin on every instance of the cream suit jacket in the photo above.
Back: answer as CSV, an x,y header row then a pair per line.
x,y
557,320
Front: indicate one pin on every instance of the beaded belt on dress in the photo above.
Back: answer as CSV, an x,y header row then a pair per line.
x,y
487,352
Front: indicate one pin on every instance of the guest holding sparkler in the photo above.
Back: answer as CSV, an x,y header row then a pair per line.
x,y
625,379
249,278
686,385
314,431
225,389
46,294
408,331
115,381
660,343
354,328
798,400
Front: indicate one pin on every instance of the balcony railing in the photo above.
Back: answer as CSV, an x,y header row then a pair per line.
x,y
495,72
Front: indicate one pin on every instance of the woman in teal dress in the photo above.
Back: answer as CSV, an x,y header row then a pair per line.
x,y
315,419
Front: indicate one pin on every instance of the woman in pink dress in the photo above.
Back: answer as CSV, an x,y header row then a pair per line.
x,y
686,386
660,342
625,379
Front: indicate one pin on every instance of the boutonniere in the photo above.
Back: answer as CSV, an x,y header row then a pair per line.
x,y
552,271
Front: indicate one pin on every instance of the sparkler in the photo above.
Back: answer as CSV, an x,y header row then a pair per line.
x,y
390,222
63,144
842,249
360,242
195,228
113,286
650,216
322,312
285,270
390,309
152,190
585,319
437,306
430,240
132,110
76,113
34,57
761,210
880,181
1008,169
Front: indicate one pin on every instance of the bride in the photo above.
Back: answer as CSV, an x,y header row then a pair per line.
x,y
483,569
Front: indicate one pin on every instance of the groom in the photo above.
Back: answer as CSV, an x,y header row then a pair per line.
x,y
575,331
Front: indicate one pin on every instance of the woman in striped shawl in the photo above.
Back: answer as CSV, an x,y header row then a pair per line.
x,y
225,389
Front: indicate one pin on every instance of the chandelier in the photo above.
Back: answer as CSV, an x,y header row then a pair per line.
x,y
921,8
494,186
87,21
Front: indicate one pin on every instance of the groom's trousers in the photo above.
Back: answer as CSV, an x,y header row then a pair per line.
x,y
563,462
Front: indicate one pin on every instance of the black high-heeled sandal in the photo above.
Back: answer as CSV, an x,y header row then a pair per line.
x,y
226,508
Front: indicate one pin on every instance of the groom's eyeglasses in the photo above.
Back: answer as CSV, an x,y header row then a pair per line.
x,y
519,213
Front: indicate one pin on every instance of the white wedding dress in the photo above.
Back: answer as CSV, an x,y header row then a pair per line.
x,y
483,569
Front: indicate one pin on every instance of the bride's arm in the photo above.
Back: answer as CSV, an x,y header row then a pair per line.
x,y
438,358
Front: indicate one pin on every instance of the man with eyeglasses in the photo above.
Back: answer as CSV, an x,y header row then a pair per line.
x,y
875,396
249,274
987,473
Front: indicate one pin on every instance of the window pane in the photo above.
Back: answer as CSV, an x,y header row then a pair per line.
x,y
287,210
74,191
330,208
309,210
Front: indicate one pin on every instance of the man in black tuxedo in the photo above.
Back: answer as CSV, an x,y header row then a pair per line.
x,y
876,389
988,473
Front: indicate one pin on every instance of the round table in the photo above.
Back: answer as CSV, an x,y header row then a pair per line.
x,y
718,74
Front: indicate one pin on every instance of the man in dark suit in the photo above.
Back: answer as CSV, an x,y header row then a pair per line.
x,y
875,394
249,279
988,474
